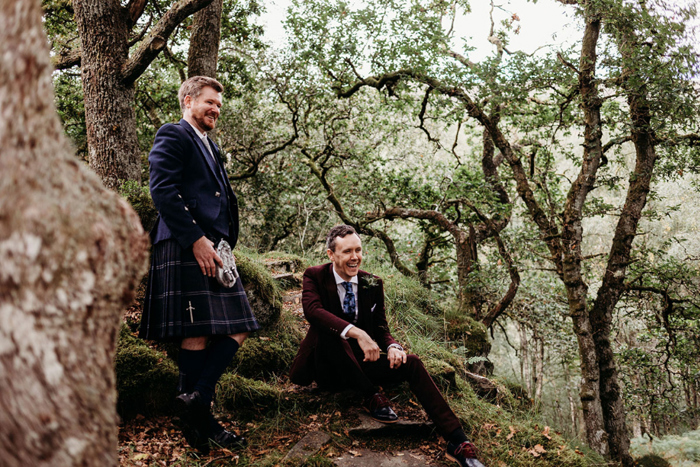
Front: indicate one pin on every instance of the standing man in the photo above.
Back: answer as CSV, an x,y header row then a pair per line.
x,y
197,208
349,332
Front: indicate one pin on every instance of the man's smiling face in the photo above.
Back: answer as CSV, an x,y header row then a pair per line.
x,y
204,109
347,256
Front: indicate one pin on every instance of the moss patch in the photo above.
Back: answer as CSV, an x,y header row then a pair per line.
x,y
239,394
467,332
263,293
146,378
442,372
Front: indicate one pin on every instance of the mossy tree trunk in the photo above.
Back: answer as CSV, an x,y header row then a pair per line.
x,y
72,255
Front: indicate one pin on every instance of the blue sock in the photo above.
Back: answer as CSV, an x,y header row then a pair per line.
x,y
219,355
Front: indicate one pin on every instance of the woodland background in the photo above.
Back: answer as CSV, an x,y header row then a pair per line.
x,y
533,213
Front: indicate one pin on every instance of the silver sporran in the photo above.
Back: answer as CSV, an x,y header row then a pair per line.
x,y
228,274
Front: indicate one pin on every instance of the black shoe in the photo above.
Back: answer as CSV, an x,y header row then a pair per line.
x,y
379,409
464,454
226,439
194,417
220,437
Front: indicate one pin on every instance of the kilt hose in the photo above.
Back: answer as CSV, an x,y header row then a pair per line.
x,y
183,302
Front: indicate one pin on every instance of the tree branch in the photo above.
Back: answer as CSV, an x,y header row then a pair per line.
x,y
67,59
158,38
135,9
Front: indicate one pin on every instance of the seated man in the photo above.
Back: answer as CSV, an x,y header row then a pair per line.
x,y
348,332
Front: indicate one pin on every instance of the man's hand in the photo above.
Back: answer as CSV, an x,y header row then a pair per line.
x,y
206,256
368,346
396,357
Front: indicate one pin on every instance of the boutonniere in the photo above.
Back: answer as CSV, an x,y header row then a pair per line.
x,y
370,281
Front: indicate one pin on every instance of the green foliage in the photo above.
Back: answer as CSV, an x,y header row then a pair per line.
x,y
677,450
139,196
238,394
146,378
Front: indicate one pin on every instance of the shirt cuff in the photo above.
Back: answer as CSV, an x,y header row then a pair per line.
x,y
396,346
345,331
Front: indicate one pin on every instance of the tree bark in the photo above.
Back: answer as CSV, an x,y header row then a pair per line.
x,y
108,76
620,251
204,41
72,254
110,118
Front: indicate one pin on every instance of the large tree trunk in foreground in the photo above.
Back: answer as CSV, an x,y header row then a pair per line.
x,y
72,254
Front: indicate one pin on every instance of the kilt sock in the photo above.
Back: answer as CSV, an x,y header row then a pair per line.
x,y
191,364
219,355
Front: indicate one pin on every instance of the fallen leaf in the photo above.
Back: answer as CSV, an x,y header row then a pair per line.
x,y
512,432
545,433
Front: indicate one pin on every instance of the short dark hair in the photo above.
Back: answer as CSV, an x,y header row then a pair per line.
x,y
338,231
193,88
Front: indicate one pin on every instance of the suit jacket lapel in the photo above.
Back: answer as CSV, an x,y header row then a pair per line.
x,y
332,289
364,297
202,149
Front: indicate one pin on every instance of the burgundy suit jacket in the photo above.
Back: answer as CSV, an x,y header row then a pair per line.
x,y
323,352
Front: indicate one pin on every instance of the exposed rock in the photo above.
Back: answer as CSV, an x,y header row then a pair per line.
x,y
307,446
370,427
263,293
366,458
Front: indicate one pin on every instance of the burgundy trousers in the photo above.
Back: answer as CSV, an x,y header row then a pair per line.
x,y
367,375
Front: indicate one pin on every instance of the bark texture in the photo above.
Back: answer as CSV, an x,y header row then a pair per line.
x,y
72,254
109,73
110,118
619,258
204,41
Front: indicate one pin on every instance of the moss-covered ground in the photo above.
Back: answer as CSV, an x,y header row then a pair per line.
x,y
256,399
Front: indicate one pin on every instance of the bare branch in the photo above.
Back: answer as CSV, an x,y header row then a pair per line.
x,y
616,141
568,64
66,59
421,115
141,34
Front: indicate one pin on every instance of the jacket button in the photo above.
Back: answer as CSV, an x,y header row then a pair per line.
x,y
186,208
179,195
194,221
217,194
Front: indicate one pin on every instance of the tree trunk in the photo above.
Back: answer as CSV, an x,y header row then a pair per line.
x,y
110,118
470,300
525,373
109,74
620,251
72,254
539,369
204,41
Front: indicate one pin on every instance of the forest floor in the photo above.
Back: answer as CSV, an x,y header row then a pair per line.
x,y
280,419
158,441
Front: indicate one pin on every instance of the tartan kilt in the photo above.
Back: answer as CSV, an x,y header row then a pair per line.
x,y
183,302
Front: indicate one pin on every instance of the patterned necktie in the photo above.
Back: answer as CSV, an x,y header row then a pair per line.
x,y
349,304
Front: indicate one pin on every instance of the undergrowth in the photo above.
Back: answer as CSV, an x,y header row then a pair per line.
x,y
257,396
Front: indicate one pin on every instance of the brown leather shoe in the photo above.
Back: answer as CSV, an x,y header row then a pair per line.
x,y
379,409
464,454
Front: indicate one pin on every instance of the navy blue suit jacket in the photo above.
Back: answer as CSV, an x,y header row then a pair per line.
x,y
185,187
